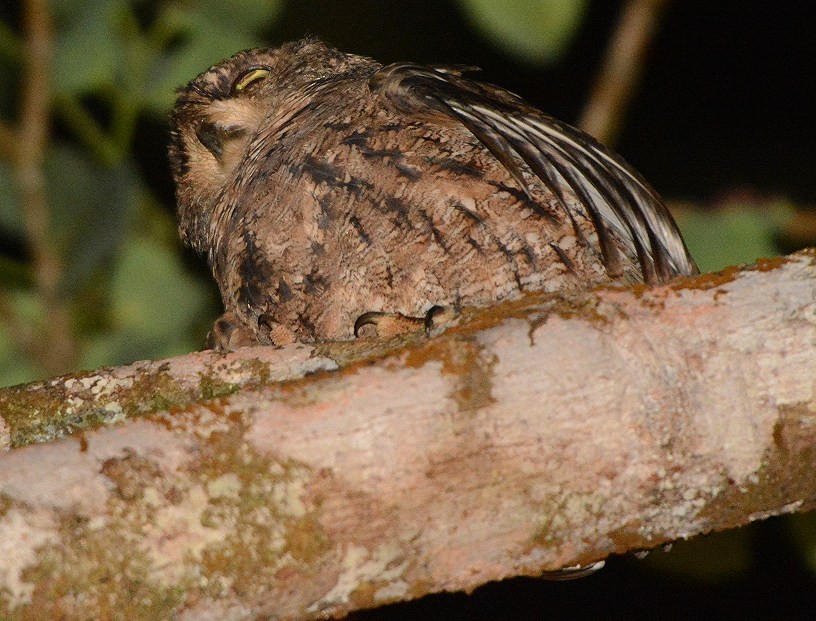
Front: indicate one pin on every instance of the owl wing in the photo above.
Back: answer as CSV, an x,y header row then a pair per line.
x,y
566,160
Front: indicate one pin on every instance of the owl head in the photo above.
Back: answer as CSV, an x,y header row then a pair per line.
x,y
228,117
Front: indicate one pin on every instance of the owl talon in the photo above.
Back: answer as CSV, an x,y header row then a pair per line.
x,y
270,332
440,317
364,320
384,325
228,334
265,326
574,572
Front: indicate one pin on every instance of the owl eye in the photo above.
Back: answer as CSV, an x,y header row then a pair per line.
x,y
247,78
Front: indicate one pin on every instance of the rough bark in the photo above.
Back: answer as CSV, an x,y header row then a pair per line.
x,y
535,435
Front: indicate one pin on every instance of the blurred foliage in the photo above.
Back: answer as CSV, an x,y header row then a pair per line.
x,y
709,558
735,231
802,529
122,279
154,301
534,31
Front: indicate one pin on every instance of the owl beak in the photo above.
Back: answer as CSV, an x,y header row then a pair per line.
x,y
214,136
209,136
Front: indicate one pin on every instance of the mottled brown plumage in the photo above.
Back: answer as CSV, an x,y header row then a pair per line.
x,y
323,186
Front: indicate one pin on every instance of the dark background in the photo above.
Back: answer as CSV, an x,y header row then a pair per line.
x,y
726,101
727,97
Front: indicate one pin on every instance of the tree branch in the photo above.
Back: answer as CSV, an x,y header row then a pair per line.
x,y
621,69
537,434
55,350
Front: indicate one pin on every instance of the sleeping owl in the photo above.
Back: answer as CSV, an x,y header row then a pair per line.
x,y
331,194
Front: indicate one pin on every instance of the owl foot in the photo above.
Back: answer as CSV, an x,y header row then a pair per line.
x,y
228,334
440,317
270,332
384,325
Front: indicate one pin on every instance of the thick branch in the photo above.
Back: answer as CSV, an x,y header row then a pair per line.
x,y
535,435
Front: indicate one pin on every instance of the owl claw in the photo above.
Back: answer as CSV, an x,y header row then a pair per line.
x,y
228,334
574,572
271,332
376,324
383,325
439,317
364,320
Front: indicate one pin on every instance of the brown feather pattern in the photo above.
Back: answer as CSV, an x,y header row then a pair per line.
x,y
322,186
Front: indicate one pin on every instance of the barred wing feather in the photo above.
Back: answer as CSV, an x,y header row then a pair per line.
x,y
566,160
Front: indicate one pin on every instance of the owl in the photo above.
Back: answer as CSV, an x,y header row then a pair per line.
x,y
333,196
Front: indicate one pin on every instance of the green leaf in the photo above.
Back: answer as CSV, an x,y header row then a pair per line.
x,y
155,303
66,10
11,45
91,209
246,15
14,367
88,50
536,31
175,68
210,31
737,233
14,274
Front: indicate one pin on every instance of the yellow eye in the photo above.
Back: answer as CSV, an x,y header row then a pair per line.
x,y
249,77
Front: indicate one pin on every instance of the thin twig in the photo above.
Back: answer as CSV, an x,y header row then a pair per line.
x,y
86,129
56,350
621,70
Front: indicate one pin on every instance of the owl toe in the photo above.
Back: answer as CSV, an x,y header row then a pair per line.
x,y
440,317
228,333
271,332
384,325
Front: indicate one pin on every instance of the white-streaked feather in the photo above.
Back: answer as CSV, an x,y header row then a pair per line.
x,y
570,164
